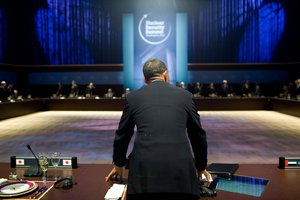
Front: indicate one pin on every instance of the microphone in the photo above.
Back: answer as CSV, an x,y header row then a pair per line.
x,y
37,160
33,170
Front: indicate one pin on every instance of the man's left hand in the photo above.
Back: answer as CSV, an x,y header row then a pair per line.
x,y
115,173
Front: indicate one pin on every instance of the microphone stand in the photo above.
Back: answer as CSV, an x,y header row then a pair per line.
x,y
33,171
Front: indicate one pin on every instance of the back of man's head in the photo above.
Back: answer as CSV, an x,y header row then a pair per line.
x,y
154,68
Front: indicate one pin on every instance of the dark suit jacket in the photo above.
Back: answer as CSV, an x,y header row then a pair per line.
x,y
161,159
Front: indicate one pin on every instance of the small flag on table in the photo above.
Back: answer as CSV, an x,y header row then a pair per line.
x,y
19,161
67,162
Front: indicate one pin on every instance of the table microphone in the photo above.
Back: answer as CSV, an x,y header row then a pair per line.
x,y
33,170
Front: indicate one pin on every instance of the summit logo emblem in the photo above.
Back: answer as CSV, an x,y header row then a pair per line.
x,y
154,30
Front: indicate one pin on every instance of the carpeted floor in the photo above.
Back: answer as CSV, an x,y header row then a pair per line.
x,y
233,136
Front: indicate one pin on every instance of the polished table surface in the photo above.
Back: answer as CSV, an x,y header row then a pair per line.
x,y
90,184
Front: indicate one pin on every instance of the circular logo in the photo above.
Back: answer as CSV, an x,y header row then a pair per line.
x,y
154,30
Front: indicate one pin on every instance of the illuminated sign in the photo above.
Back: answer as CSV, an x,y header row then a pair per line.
x,y
154,30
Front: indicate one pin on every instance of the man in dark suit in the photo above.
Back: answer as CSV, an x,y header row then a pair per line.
x,y
161,164
3,91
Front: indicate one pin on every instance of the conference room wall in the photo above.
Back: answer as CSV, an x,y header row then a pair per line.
x,y
82,77
90,32
203,76
9,77
239,76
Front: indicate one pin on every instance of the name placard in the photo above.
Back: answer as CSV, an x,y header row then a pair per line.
x,y
64,162
289,162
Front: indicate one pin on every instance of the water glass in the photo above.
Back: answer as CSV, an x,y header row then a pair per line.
x,y
55,158
43,161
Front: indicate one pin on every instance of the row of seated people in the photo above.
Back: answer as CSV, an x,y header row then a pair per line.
x,y
89,91
197,90
290,90
223,90
9,92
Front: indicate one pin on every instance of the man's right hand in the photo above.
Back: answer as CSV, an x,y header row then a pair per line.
x,y
206,174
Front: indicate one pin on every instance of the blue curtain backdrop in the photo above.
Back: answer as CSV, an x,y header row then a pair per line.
x,y
60,32
2,32
243,31
78,32
90,31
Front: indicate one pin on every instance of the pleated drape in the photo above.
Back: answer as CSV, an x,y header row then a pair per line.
x,y
235,31
78,32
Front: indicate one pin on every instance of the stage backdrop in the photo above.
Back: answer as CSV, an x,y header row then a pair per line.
x,y
58,32
152,33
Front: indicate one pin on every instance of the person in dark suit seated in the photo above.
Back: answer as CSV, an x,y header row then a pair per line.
x,y
246,89
257,90
127,91
211,90
74,89
3,91
90,90
284,91
59,90
226,90
161,164
197,91
10,89
297,83
182,84
109,94
295,91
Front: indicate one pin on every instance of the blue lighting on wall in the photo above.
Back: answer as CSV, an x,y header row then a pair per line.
x,y
76,32
262,34
9,77
90,31
238,76
181,47
238,31
128,50
82,78
2,33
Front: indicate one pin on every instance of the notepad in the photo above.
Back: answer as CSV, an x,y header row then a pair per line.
x,y
223,169
115,192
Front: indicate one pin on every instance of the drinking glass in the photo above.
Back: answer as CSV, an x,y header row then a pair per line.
x,y
55,158
43,161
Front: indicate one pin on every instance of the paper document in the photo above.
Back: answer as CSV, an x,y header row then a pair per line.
x,y
115,192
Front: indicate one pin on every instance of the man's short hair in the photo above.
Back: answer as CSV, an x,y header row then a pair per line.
x,y
153,68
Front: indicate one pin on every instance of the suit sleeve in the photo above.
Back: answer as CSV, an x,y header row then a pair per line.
x,y
123,136
197,137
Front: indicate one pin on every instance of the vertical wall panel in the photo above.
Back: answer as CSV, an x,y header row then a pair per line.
x,y
181,47
128,50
